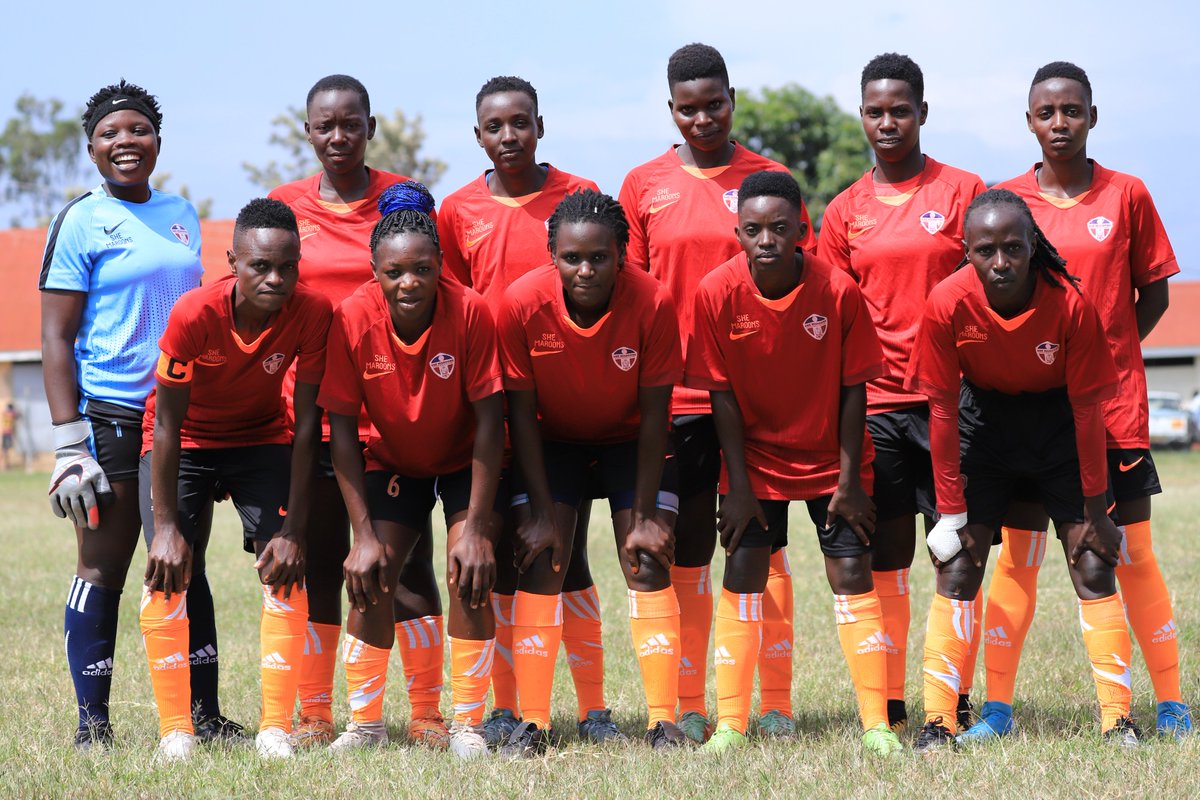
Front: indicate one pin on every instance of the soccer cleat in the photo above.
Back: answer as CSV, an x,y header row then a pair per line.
x,y
726,739
97,735
666,735
1124,734
360,736
1174,719
934,736
313,732
962,714
599,728
695,726
882,741
526,741
897,713
776,725
218,729
995,720
427,727
467,741
274,743
498,726
175,746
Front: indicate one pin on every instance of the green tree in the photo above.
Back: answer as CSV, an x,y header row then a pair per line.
x,y
820,143
395,148
41,153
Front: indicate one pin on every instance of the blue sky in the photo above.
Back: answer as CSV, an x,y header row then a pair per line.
x,y
223,70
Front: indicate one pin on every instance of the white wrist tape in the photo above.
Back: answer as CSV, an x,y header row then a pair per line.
x,y
944,541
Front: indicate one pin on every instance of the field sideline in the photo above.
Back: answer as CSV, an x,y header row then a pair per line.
x,y
1057,751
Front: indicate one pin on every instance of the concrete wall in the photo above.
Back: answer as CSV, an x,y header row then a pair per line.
x,y
1182,379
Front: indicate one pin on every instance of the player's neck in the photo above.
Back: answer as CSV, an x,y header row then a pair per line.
x,y
518,184
585,317
706,159
128,194
249,322
410,329
905,169
774,284
1069,178
1012,307
349,187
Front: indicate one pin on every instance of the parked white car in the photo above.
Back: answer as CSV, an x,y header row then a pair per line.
x,y
1170,425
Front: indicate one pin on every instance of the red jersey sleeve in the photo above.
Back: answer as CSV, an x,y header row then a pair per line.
x,y
341,386
514,351
310,364
1090,441
186,332
1091,372
862,355
1151,257
663,356
705,361
944,453
484,377
934,369
452,257
832,245
637,252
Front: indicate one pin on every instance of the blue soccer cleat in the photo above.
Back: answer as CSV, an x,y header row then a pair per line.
x,y
1174,719
995,720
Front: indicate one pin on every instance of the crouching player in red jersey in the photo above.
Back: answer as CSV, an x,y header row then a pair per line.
x,y
1035,368
419,353
591,352
769,314
216,419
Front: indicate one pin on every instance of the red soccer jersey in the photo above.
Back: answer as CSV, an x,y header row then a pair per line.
x,y
1113,239
786,362
898,242
236,396
1058,341
587,379
681,222
488,242
417,396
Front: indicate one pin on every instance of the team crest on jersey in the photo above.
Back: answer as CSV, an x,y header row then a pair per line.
x,y
816,326
442,365
932,222
1047,352
273,362
730,199
1100,228
624,358
181,233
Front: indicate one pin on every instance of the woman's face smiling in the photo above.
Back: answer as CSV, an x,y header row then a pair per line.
x,y
124,147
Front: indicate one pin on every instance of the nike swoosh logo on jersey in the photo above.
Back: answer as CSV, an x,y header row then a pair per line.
x,y
536,353
109,231
370,376
1126,467
859,232
735,336
656,209
305,236
472,242
961,342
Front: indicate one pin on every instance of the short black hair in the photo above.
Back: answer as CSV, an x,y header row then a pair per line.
x,y
695,61
895,67
1045,259
507,83
770,184
100,105
407,207
337,83
588,205
1062,69
263,212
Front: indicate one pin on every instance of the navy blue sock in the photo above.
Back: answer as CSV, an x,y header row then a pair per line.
x,y
202,645
90,633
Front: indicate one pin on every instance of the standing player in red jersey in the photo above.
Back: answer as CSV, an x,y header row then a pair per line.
x,y
1035,370
1106,226
336,209
419,353
681,207
566,329
216,419
776,311
493,231
898,231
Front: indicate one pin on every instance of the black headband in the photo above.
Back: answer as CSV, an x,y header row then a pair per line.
x,y
117,103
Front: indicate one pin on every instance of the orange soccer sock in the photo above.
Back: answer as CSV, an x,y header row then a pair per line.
x,y
504,685
968,670
316,670
738,640
775,658
537,633
366,678
693,589
1106,637
165,634
1148,605
1011,602
865,645
947,638
894,608
281,645
654,623
422,654
470,673
585,648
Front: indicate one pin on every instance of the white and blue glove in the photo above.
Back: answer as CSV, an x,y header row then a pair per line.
x,y
77,480
944,541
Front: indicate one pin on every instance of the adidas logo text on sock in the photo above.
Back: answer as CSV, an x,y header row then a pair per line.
x,y
723,656
781,649
658,644
205,655
99,669
275,661
875,643
997,637
531,646
1166,633
173,661
686,667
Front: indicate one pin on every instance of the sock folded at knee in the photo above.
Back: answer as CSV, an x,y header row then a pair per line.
x,y
316,670
90,635
737,643
504,685
537,634
1106,637
470,674
164,626
282,630
581,636
422,653
895,609
366,678
775,658
947,638
1148,605
693,589
654,625
865,645
202,648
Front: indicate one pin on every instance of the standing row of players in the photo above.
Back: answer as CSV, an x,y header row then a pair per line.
x,y
896,231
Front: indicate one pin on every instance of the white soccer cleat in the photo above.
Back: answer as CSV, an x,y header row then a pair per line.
x,y
176,746
359,736
467,741
274,743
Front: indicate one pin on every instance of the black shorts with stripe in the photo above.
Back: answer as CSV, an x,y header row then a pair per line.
x,y
1132,474
116,438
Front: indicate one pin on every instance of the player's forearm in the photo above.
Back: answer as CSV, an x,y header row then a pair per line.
x,y
1090,441
944,450
727,418
1152,302
305,444
852,424
58,374
486,454
164,475
527,446
654,403
348,468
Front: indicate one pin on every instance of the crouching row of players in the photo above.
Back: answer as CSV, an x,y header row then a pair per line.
x,y
586,353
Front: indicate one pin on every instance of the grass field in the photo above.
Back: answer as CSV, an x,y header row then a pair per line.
x,y
1057,752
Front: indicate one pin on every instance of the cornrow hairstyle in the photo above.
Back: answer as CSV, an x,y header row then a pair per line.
x,y
588,205
695,61
337,83
128,95
1044,259
770,184
1062,69
406,208
507,83
263,212
895,67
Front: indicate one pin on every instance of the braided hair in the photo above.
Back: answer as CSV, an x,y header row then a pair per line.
x,y
406,208
589,205
128,96
1044,259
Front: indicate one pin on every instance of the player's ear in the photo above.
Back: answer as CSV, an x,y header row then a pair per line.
x,y
803,229
541,127
478,137
370,127
1095,117
924,112
732,98
232,261
91,151
1029,121
307,132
